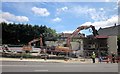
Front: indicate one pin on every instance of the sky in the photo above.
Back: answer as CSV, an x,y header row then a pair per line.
x,y
62,16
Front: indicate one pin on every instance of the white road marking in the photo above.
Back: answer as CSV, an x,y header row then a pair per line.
x,y
21,65
40,70
13,65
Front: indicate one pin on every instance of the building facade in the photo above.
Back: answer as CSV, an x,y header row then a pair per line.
x,y
112,32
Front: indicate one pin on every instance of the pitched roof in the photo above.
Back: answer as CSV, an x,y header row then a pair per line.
x,y
110,31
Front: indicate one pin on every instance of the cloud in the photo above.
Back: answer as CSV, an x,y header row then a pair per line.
x,y
8,17
118,2
96,15
78,10
22,18
57,19
59,10
118,5
3,20
109,22
87,12
40,11
107,0
68,31
103,24
57,0
101,9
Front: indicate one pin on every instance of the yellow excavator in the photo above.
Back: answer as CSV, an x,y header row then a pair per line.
x,y
61,48
29,46
68,45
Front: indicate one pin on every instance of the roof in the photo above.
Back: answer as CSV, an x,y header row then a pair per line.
x,y
110,31
101,36
69,34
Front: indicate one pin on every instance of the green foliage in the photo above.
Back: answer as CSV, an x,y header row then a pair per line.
x,y
23,33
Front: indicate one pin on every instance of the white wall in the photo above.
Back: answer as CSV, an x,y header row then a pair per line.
x,y
112,44
51,43
75,45
78,46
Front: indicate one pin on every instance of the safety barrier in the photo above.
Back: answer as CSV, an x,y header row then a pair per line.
x,y
108,59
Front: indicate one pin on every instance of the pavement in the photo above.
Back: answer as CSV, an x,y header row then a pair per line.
x,y
52,65
30,66
72,60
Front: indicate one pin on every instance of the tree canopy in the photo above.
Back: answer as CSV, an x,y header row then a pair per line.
x,y
13,33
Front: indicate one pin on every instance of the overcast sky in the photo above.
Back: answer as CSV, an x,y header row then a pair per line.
x,y
61,16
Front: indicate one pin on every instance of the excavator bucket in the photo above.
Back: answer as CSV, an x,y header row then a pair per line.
x,y
27,48
95,32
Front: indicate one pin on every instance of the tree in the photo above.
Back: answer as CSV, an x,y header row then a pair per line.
x,y
13,33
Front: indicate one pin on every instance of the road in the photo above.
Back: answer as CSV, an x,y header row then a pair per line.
x,y
20,66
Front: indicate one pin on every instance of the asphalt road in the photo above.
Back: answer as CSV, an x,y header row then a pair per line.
x,y
20,66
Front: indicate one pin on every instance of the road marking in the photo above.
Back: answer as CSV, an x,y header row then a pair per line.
x,y
22,65
13,65
40,70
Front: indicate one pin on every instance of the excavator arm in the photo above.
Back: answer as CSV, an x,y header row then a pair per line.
x,y
34,40
28,47
79,29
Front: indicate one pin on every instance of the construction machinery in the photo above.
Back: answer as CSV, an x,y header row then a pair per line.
x,y
68,45
29,46
65,49
79,29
